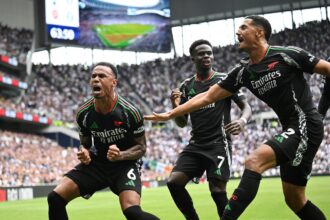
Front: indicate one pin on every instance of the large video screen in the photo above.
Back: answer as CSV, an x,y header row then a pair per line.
x,y
134,25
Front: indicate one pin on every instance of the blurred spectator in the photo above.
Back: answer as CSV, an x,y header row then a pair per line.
x,y
15,43
27,159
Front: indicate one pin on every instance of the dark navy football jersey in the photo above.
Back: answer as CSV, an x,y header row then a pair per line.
x,y
120,126
277,80
207,122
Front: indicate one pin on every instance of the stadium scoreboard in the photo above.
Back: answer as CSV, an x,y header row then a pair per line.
x,y
132,25
62,19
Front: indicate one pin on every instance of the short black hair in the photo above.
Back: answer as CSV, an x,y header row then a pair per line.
x,y
197,43
263,22
110,65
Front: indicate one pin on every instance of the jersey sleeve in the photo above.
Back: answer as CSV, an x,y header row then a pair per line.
x,y
137,122
302,59
82,124
233,81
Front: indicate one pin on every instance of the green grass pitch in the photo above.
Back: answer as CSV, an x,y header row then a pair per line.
x,y
268,205
121,35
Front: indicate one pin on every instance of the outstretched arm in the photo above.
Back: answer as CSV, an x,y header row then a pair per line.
x,y
214,94
322,67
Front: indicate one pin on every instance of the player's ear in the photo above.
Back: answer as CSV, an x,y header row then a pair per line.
x,y
114,82
259,32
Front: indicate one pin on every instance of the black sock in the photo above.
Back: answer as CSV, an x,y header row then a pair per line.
x,y
56,207
136,213
243,195
221,201
183,201
310,211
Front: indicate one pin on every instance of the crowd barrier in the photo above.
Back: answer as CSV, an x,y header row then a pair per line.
x,y
31,192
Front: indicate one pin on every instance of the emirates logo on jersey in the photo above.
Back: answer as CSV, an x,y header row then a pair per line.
x,y
272,65
118,123
110,136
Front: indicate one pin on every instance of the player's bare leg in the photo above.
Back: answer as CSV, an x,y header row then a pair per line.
x,y
219,194
130,205
295,198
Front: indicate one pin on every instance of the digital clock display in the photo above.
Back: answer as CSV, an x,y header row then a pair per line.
x,y
63,33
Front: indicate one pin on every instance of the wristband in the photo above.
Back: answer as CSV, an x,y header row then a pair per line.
x,y
244,120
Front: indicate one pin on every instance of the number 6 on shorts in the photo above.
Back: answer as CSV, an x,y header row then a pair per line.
x,y
131,175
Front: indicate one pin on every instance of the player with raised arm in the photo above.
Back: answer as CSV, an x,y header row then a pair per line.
x,y
274,74
209,148
112,142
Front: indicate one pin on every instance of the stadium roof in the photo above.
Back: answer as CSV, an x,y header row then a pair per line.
x,y
196,11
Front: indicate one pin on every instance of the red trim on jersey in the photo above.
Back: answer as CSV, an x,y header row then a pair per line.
x,y
86,104
113,104
263,55
209,77
131,108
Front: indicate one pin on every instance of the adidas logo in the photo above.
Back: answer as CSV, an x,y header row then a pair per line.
x,y
130,183
279,138
94,125
191,92
217,172
228,207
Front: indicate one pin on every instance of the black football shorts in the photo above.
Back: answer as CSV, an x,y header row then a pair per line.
x,y
295,149
93,177
215,162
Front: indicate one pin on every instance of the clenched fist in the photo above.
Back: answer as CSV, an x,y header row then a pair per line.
x,y
83,156
114,154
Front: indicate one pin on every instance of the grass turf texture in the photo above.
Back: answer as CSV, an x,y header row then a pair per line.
x,y
121,35
268,205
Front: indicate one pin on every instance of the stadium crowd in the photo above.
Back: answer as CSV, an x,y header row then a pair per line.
x,y
57,91
15,43
27,159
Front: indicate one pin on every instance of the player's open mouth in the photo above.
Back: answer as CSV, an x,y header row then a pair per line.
x,y
240,39
96,89
206,62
